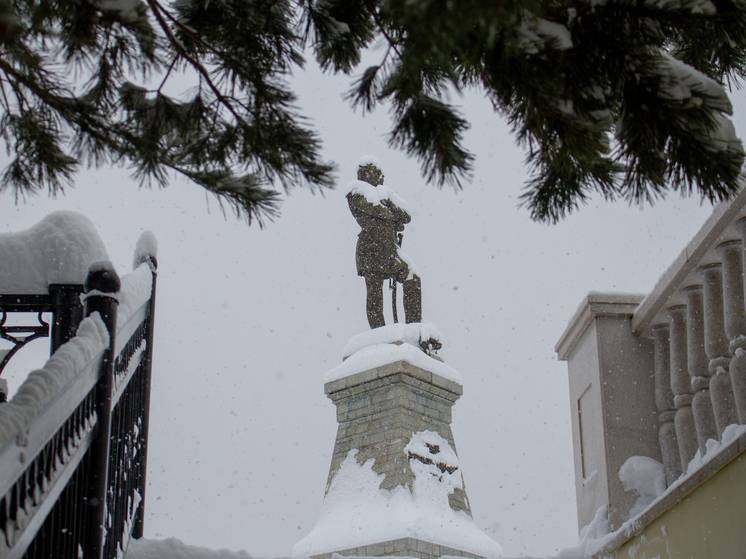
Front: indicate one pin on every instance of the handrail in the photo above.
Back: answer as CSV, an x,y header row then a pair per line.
x,y
126,331
55,488
18,453
713,231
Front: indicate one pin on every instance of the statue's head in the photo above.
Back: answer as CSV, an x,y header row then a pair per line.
x,y
370,173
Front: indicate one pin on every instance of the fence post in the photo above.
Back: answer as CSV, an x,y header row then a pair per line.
x,y
67,312
147,364
101,288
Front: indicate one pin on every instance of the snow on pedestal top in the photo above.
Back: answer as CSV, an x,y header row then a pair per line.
x,y
388,344
58,249
357,512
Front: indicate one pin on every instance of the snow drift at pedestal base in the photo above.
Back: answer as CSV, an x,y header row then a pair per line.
x,y
357,512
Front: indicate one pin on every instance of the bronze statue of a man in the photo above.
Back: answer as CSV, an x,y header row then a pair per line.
x,y
377,254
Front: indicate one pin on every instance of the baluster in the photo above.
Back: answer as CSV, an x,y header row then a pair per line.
x,y
716,347
686,434
704,418
733,270
665,405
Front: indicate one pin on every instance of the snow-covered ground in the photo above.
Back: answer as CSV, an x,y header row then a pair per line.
x,y
172,548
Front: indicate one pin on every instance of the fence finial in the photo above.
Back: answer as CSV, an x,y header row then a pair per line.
x,y
102,278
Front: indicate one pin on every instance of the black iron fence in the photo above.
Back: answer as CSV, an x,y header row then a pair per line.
x,y
73,454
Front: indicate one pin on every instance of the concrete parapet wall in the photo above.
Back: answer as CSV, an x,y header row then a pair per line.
x,y
701,517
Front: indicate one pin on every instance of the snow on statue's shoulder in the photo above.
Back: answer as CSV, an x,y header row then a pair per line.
x,y
389,344
58,249
373,194
377,194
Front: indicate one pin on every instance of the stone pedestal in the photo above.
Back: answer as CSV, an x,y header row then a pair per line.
x,y
378,411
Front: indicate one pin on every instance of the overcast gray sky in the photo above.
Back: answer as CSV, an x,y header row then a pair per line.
x,y
248,320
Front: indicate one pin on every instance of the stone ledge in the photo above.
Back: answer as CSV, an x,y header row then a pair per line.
x,y
391,369
673,496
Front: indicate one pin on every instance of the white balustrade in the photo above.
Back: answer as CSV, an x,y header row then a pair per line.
x,y
681,386
704,419
734,261
696,316
716,347
664,402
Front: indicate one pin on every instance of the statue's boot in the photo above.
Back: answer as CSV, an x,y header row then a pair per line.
x,y
413,299
374,301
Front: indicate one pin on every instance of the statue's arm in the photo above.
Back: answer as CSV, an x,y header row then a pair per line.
x,y
359,204
399,215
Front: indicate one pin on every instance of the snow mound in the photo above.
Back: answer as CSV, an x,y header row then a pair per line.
x,y
712,449
134,293
431,445
377,194
357,512
645,477
58,249
42,386
172,548
593,537
412,333
147,246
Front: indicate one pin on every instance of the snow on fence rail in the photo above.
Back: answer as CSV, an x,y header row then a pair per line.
x,y
73,438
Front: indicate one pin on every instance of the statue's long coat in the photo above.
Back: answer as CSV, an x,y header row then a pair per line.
x,y
376,252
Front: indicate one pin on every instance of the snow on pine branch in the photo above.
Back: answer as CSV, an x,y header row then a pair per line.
x,y
537,34
126,10
681,82
704,7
